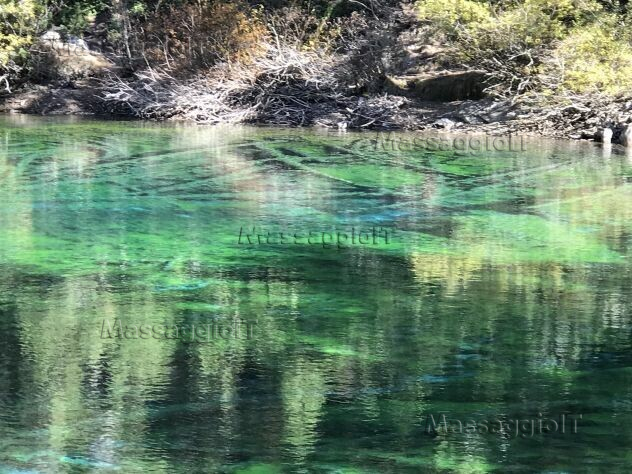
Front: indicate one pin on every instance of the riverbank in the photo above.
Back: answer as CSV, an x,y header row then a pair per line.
x,y
397,73
584,119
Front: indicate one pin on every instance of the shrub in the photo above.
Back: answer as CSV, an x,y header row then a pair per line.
x,y
595,59
450,16
196,35
510,41
18,20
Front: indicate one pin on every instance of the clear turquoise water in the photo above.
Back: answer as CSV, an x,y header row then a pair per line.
x,y
502,294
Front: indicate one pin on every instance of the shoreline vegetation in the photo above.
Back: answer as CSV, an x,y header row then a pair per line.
x,y
559,68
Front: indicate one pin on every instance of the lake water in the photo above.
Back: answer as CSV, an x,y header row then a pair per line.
x,y
394,310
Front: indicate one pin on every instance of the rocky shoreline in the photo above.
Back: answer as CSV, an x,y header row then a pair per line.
x,y
588,118
289,87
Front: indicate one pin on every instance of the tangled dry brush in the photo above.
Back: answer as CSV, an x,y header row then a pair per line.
x,y
285,85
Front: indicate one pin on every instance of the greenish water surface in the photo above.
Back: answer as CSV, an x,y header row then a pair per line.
x,y
497,289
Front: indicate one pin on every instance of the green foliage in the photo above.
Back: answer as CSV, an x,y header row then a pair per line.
x,y
449,16
17,26
76,16
532,23
529,21
596,58
516,42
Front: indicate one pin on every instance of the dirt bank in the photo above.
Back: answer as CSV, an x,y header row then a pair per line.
x,y
583,119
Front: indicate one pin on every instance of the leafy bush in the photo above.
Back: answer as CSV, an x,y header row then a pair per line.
x,y
18,19
509,40
595,59
75,16
452,16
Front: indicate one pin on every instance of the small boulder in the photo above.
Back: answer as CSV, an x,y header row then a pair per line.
x,y
444,123
589,134
51,36
448,87
78,42
55,59
471,118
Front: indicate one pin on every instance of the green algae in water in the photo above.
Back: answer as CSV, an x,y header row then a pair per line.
x,y
504,292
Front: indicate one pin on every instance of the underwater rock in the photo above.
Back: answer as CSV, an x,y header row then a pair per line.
x,y
84,462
